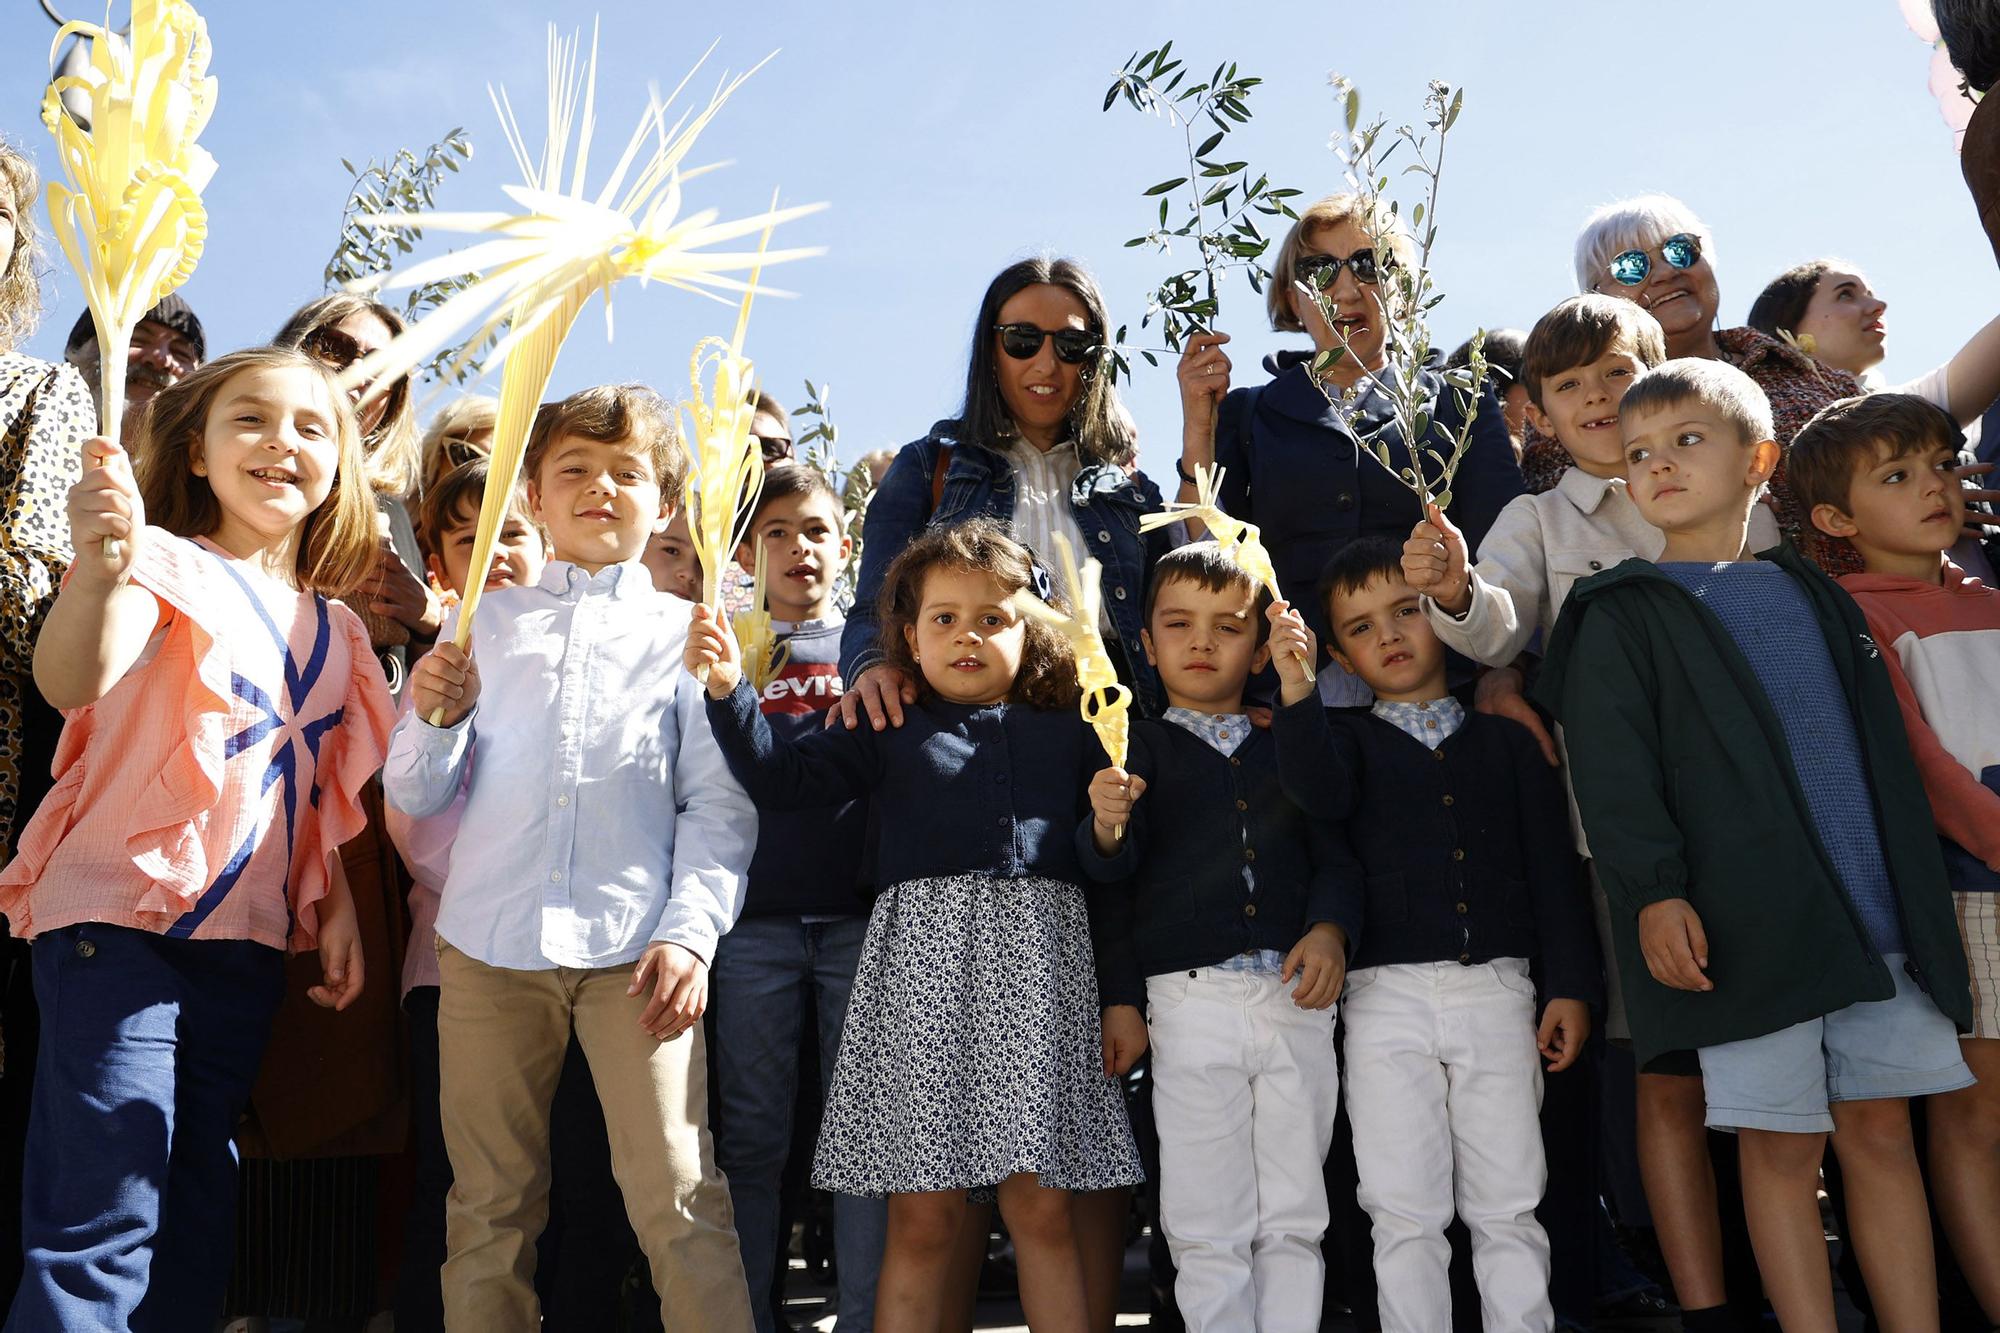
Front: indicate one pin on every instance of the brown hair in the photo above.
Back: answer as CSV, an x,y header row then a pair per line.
x,y
1846,436
20,280
394,461
337,542
609,413
455,498
1781,306
789,479
1047,677
1354,566
1206,565
1578,331
1715,384
1322,215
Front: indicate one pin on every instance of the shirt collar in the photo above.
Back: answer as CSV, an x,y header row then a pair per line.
x,y
620,581
1226,732
1585,491
1432,722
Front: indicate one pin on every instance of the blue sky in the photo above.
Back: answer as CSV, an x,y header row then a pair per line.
x,y
951,139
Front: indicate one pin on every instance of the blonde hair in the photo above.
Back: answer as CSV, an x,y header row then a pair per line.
x,y
1333,211
395,467
337,542
457,420
20,280
1633,224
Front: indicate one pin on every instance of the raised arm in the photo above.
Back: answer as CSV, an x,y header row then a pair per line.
x,y
1317,763
897,512
101,620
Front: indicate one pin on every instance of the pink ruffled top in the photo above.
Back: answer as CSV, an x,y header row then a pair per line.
x,y
207,793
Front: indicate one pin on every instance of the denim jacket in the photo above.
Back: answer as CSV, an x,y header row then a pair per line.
x,y
979,483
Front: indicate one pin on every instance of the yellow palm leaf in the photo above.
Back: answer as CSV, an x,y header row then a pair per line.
x,y
763,656
1106,703
130,218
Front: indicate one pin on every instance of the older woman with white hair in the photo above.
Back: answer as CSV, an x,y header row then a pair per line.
x,y
1654,250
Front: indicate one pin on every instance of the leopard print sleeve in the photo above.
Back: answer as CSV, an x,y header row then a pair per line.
x,y
46,414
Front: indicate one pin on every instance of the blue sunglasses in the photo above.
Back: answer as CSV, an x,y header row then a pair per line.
x,y
1679,250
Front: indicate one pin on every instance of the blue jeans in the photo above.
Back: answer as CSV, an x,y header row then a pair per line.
x,y
149,1049
762,969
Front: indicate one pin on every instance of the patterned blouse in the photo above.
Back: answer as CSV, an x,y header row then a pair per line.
x,y
1797,386
45,416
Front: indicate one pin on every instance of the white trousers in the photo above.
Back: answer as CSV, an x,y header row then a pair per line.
x,y
1444,1089
1246,1086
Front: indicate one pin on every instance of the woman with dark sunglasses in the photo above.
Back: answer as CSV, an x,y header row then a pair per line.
x,y
1041,442
461,431
1291,447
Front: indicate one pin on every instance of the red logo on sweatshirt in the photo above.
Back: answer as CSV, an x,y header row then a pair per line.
x,y
806,688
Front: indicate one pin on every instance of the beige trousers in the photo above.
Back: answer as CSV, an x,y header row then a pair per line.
x,y
501,1038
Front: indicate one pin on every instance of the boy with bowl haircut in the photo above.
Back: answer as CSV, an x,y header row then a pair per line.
x,y
1224,917
1458,823
603,850
1881,471
804,911
1780,905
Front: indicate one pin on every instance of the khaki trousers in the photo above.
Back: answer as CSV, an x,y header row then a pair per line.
x,y
501,1038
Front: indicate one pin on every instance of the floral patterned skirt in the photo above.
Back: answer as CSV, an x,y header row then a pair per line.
x,y
972,1050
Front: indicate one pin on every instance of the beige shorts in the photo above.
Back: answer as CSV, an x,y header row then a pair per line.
x,y
1979,927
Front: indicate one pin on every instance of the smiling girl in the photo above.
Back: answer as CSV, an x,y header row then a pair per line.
x,y
222,715
971,1054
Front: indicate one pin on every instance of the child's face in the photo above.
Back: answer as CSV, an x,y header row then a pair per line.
x,y
1580,408
600,500
967,638
268,451
1204,643
804,550
1688,466
518,554
1908,506
1380,634
671,560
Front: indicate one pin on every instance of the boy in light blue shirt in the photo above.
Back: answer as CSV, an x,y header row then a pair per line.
x,y
602,853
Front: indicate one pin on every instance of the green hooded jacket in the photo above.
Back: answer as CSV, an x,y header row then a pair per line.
x,y
1688,790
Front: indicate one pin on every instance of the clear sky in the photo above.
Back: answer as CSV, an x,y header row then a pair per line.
x,y
951,139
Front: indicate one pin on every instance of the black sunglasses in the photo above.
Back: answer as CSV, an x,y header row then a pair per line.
x,y
331,348
1310,268
1022,341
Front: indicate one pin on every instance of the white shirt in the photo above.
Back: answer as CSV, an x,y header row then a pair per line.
x,y
599,816
1042,508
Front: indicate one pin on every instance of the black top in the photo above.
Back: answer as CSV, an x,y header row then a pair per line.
x,y
1466,849
1174,895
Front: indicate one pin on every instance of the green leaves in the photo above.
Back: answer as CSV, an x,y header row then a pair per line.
x,y
1216,196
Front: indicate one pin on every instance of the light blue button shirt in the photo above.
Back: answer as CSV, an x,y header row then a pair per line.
x,y
599,816
1431,722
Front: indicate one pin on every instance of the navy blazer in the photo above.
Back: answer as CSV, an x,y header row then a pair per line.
x,y
979,483
1300,473
1466,849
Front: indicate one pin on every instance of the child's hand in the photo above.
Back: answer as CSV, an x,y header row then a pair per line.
x,y
1434,562
1501,693
1674,944
1565,1027
710,644
105,506
1293,646
1113,793
1124,1039
340,966
1320,960
444,684
679,983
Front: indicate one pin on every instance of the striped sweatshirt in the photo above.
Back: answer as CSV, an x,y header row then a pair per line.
x,y
1942,648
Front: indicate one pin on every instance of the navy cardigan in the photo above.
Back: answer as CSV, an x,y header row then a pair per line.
x,y
1172,893
995,790
1466,849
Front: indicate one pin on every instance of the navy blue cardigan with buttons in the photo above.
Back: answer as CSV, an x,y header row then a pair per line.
x,y
1172,895
993,790
1466,849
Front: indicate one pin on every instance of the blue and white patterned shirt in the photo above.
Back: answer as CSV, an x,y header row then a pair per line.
x,y
1431,722
1225,732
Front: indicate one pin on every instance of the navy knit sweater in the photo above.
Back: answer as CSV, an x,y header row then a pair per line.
x,y
1466,849
1172,894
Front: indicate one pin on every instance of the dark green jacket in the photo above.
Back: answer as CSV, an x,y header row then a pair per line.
x,y
1688,790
